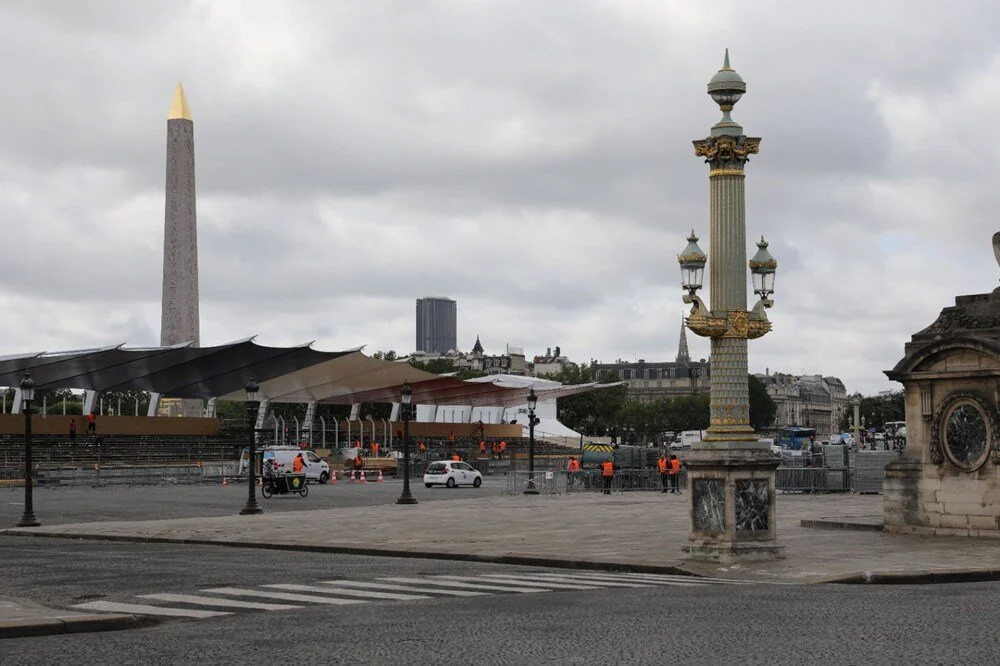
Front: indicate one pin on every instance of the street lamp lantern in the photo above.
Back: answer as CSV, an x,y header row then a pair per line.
x,y
27,395
405,397
253,394
532,401
762,268
692,261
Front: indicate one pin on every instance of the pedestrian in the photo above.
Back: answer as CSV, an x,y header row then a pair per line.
x,y
674,473
72,430
298,464
482,447
503,448
91,423
422,447
455,457
572,471
664,466
375,448
359,464
608,473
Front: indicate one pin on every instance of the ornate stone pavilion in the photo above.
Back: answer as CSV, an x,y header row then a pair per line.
x,y
948,481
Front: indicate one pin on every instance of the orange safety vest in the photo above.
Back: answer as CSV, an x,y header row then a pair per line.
x,y
358,462
503,446
607,468
574,465
456,458
297,464
675,466
451,437
482,445
375,448
663,463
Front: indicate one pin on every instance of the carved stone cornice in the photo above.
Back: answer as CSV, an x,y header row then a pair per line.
x,y
725,153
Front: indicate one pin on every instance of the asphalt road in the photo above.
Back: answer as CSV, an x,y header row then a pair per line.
x,y
76,504
774,624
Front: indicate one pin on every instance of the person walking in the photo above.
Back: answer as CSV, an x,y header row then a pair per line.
x,y
375,448
608,473
675,470
664,466
359,464
91,423
298,464
72,430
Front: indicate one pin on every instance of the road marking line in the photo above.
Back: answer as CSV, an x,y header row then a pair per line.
x,y
612,580
143,609
284,596
469,586
529,582
345,592
216,601
558,578
402,588
700,579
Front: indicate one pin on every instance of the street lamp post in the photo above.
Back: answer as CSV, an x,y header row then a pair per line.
x,y
251,507
27,395
532,402
404,400
731,472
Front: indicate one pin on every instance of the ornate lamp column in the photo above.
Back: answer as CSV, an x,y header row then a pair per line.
x,y
731,472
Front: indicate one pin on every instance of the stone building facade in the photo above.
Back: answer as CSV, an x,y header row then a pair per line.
x,y
948,480
810,401
649,381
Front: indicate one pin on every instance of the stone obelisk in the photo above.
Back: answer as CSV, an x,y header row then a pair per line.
x,y
179,314
179,321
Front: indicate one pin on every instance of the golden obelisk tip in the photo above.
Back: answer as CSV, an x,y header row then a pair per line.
x,y
179,107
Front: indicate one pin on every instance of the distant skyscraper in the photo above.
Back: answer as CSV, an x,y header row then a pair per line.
x,y
437,329
179,305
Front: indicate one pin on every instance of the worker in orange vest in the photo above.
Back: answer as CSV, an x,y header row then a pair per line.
x,y
455,457
297,464
675,468
482,447
572,471
359,464
422,446
503,448
608,473
375,448
664,466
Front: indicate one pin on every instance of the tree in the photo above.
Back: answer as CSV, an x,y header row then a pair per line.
x,y
876,410
762,407
594,412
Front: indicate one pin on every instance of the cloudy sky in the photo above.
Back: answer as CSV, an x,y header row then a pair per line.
x,y
530,159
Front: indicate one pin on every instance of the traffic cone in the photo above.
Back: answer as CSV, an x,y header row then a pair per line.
x,y
379,476
363,479
224,481
260,483
335,476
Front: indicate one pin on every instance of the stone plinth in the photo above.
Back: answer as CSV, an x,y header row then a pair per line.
x,y
731,490
948,480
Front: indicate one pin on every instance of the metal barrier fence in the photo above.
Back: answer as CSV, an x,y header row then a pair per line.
x,y
546,482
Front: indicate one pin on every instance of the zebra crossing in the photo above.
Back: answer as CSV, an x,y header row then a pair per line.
x,y
222,601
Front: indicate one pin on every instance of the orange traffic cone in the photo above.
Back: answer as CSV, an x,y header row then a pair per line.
x,y
379,476
224,481
363,479
335,476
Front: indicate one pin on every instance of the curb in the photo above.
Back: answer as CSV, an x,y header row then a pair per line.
x,y
509,558
916,577
70,624
827,524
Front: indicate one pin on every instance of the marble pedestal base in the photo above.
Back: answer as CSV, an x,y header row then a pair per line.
x,y
731,491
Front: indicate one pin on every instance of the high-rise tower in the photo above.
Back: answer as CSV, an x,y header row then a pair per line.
x,y
179,314
437,331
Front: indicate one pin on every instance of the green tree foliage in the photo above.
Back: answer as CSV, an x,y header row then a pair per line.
x,y
762,407
875,410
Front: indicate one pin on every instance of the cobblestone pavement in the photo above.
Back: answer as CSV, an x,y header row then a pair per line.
x,y
634,529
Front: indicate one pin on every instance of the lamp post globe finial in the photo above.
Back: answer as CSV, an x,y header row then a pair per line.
x,y
726,88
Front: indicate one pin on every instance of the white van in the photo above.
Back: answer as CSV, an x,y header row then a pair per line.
x,y
689,437
315,468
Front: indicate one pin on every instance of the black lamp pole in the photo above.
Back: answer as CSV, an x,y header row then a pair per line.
x,y
404,402
251,507
532,401
27,394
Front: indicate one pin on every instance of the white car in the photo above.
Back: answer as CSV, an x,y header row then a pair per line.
x,y
452,473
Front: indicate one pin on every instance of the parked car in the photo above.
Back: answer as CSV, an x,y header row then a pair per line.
x,y
452,473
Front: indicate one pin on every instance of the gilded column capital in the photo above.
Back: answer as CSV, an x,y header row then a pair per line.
x,y
727,154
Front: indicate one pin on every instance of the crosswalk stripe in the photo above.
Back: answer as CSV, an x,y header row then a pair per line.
x,y
345,592
144,609
468,586
284,596
216,601
612,579
559,578
403,588
522,580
